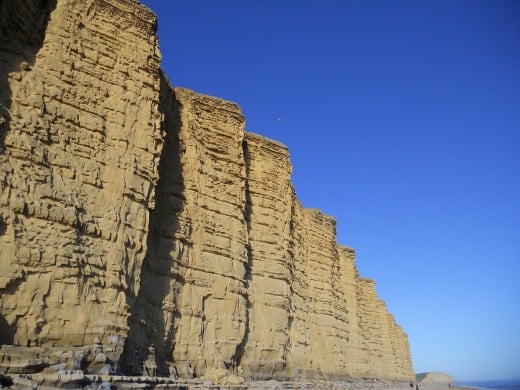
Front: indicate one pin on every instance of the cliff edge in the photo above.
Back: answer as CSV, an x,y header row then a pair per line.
x,y
144,231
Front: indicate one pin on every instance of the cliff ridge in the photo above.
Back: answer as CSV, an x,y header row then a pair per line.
x,y
144,231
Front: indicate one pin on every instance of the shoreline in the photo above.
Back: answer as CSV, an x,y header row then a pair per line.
x,y
65,380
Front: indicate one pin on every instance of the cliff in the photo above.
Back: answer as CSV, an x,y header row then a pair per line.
x,y
135,215
433,377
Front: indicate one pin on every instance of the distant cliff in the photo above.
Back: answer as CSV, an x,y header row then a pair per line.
x,y
133,214
433,377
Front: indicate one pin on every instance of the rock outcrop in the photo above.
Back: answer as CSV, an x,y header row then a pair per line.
x,y
143,230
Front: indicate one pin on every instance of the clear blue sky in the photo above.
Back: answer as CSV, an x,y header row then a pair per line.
x,y
403,121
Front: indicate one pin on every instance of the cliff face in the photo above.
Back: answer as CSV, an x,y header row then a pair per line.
x,y
80,148
133,214
433,377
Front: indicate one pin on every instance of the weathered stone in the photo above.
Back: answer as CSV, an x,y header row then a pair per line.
x,y
80,150
142,230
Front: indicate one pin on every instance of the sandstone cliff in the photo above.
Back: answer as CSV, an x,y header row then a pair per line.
x,y
433,377
81,141
133,214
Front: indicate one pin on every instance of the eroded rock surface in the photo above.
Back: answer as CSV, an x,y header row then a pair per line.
x,y
80,148
142,230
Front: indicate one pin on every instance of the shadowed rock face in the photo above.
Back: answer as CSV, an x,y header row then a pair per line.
x,y
134,215
81,146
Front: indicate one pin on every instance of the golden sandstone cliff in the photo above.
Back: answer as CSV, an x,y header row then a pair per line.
x,y
134,215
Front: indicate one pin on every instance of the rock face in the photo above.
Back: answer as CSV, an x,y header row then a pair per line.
x,y
134,215
81,142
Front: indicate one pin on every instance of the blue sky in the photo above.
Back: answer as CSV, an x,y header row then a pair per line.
x,y
403,121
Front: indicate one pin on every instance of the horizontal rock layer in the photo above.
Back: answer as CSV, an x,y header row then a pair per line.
x,y
81,142
133,214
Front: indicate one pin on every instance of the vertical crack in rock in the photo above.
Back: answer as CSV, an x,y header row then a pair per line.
x,y
237,357
151,322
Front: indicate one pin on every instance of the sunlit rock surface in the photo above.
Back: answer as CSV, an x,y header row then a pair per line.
x,y
433,377
143,231
81,140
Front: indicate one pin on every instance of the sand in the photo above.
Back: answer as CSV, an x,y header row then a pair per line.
x,y
30,381
438,386
350,385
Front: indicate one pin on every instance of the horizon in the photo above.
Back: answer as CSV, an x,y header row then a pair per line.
x,y
402,121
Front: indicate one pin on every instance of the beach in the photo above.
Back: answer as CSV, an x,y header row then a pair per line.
x,y
354,385
439,386
122,382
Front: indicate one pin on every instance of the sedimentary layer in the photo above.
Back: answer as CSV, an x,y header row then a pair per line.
x,y
143,227
81,142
